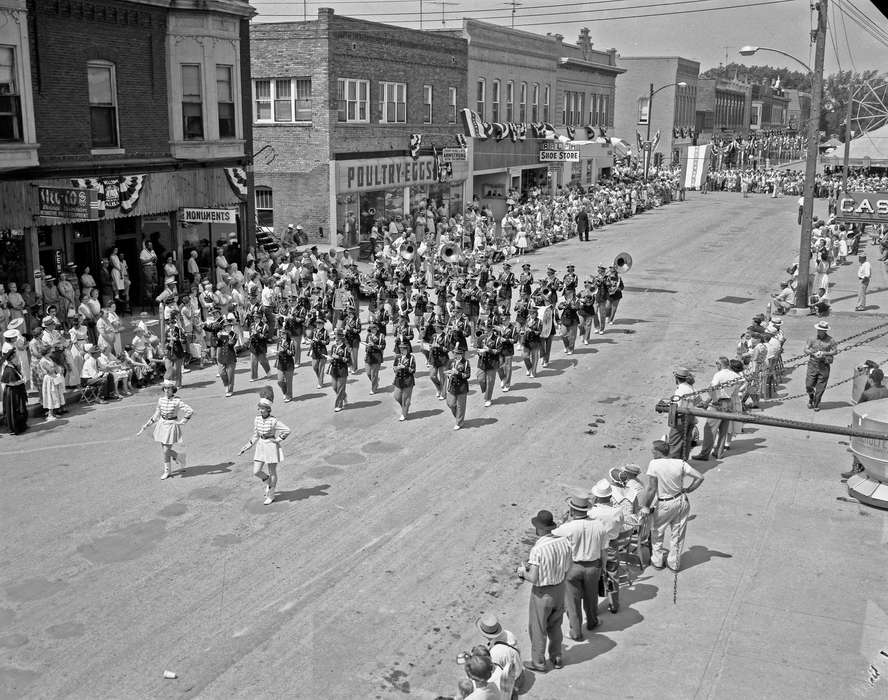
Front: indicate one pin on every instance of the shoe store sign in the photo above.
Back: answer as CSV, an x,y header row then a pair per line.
x,y
863,207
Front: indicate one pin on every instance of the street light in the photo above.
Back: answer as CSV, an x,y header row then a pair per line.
x,y
816,75
647,163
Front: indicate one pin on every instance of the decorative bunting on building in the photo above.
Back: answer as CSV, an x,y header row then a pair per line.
x,y
500,131
415,143
602,132
237,178
571,132
590,132
461,140
114,192
474,124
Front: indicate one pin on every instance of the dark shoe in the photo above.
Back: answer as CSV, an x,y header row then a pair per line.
x,y
534,667
817,408
700,457
856,469
592,624
558,662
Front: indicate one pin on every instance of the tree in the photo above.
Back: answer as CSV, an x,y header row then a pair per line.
x,y
870,108
789,79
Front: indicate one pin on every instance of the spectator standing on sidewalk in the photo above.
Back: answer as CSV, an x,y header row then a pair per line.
x,y
864,272
820,352
503,648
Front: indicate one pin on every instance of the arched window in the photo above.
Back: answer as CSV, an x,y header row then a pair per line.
x,y
264,206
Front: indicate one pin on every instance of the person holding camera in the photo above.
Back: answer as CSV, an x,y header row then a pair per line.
x,y
480,671
502,647
820,352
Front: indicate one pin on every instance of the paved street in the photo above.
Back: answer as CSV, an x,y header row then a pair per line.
x,y
388,539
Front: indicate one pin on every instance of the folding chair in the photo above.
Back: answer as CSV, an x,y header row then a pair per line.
x,y
91,392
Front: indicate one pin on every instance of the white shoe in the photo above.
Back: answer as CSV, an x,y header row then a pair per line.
x,y
337,409
269,499
487,403
506,388
528,373
229,393
403,418
166,473
457,427
320,386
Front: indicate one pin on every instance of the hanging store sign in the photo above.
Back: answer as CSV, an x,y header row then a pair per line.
x,y
863,207
390,173
208,216
77,203
449,155
559,155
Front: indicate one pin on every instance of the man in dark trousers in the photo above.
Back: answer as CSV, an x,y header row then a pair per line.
x,y
582,220
820,352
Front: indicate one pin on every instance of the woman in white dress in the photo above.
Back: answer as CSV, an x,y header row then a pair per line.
x,y
168,428
521,239
75,354
268,434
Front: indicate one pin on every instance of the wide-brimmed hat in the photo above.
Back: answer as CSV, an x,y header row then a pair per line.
x,y
682,373
777,322
543,520
602,489
264,402
577,502
230,317
489,625
16,323
821,326
11,334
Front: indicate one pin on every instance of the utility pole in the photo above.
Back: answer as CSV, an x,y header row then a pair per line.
x,y
801,300
851,94
514,6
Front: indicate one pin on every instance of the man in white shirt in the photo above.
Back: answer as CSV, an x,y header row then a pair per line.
x,y
666,481
864,272
719,400
503,648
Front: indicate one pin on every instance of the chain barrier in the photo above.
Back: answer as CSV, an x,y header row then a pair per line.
x,y
831,386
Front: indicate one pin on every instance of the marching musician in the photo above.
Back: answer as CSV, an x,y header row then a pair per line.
x,y
507,282
570,279
549,320
374,350
404,381
458,375
614,292
460,328
226,353
599,284
508,337
488,360
586,310
570,318
404,332
472,294
295,321
260,335
420,301
318,350
339,358
522,307
353,336
286,361
525,281
377,314
438,351
551,281
532,341
426,330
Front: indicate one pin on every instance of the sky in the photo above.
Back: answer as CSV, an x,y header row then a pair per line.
x,y
700,33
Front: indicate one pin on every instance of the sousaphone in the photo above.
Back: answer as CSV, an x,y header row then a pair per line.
x,y
623,262
407,251
449,252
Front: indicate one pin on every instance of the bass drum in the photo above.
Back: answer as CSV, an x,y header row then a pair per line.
x,y
548,320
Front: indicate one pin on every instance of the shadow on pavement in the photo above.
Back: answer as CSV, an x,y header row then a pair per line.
x,y
302,494
45,425
306,397
525,385
478,422
361,404
504,400
628,321
204,469
825,405
419,415
698,554
199,385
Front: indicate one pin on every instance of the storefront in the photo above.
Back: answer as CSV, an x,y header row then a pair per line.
x,y
47,224
379,189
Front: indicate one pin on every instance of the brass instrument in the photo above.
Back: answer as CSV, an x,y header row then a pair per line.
x,y
407,251
497,284
449,252
623,262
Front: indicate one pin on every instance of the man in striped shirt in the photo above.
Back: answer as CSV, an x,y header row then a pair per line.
x,y
546,570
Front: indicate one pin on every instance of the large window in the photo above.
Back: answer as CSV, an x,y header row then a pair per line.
x,y
427,104
535,103
574,108
393,103
522,104
225,102
546,102
10,104
102,104
642,108
604,107
192,103
593,109
510,101
282,100
353,97
495,101
451,97
481,97
264,206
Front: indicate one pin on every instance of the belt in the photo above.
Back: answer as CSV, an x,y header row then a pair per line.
x,y
669,498
169,417
270,436
594,562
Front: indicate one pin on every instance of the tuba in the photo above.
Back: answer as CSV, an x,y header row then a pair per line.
x,y
623,262
449,252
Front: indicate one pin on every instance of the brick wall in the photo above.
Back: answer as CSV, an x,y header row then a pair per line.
x,y
67,35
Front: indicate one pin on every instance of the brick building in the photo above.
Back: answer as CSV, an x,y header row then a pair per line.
x,y
674,107
723,108
337,105
133,135
769,107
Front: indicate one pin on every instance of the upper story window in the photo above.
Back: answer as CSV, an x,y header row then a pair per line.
x,y
225,102
10,102
427,104
593,109
393,103
604,108
192,103
510,101
535,103
522,104
264,206
451,115
103,104
642,109
546,102
353,97
481,97
282,100
495,101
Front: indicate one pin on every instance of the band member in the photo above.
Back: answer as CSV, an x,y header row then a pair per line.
x,y
294,322
599,283
378,315
472,297
586,310
259,337
168,431
549,319
458,376
522,306
268,434
339,358
570,279
525,280
318,350
532,341
438,351
286,362
488,359
175,347
405,369
614,293
404,332
507,282
375,347
460,328
508,335
570,319
420,302
427,333
226,353
353,336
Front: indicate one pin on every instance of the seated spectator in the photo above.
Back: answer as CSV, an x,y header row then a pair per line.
x,y
109,362
819,303
625,492
91,375
782,301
